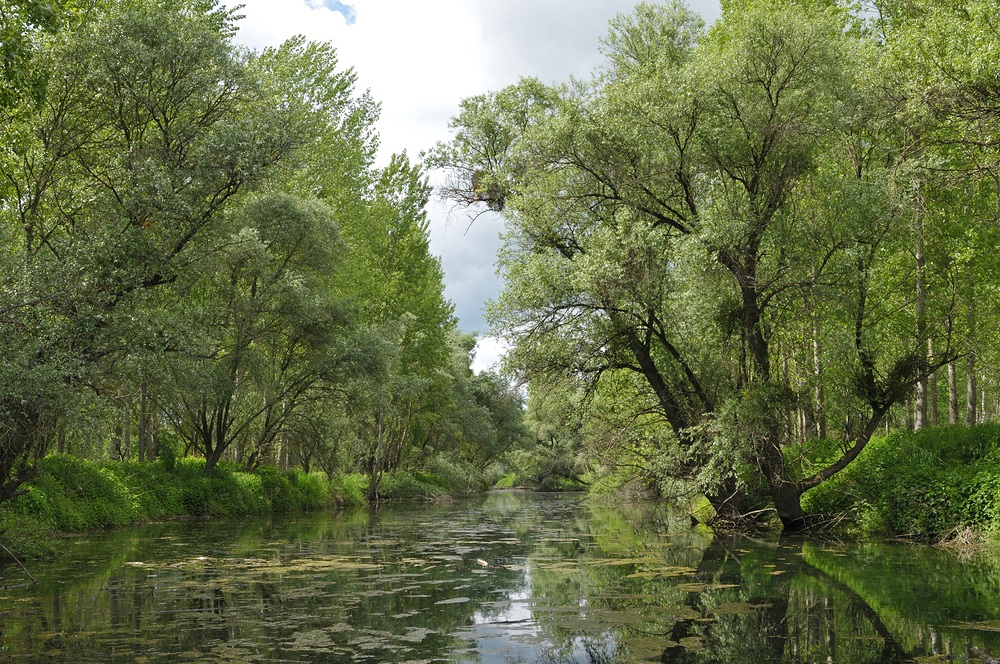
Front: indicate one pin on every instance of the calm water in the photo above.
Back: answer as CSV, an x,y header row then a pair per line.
x,y
507,578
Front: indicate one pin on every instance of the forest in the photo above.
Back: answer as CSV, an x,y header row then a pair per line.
x,y
735,257
738,253
202,258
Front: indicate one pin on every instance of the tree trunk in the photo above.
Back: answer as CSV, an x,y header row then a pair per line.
x,y
787,498
377,466
211,461
785,494
818,412
920,395
127,433
729,502
952,392
283,443
143,422
818,377
154,430
970,369
932,391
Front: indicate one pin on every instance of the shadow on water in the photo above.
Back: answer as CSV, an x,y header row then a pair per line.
x,y
510,577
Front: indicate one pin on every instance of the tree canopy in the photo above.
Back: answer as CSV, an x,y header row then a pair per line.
x,y
200,254
748,240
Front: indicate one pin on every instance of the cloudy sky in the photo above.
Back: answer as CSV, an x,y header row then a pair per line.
x,y
419,60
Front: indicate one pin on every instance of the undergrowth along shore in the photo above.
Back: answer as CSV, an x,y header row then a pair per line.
x,y
927,485
71,495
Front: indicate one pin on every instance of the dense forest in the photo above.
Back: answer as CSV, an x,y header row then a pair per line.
x,y
736,254
732,258
201,257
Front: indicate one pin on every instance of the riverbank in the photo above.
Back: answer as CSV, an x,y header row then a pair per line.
x,y
72,495
929,485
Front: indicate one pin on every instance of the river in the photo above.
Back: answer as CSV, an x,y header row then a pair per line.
x,y
505,578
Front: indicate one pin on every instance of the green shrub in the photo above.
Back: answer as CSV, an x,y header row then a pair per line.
x,y
293,490
350,490
154,490
455,477
505,482
402,485
74,495
543,469
923,484
309,490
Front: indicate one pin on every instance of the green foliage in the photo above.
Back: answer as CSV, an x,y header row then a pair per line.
x,y
74,495
457,477
507,481
350,489
293,490
735,238
544,470
924,484
20,23
199,253
403,485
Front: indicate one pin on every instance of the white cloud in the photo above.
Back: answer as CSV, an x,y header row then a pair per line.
x,y
488,353
417,59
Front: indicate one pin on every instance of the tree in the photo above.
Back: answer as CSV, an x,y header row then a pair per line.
x,y
20,22
139,144
665,220
272,330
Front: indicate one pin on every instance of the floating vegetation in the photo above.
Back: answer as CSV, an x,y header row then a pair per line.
x,y
737,608
461,588
692,587
663,572
693,643
981,625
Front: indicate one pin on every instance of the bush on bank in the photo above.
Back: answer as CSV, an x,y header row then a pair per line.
x,y
927,484
74,495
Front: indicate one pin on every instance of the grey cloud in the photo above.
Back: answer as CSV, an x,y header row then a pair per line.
x,y
552,39
468,255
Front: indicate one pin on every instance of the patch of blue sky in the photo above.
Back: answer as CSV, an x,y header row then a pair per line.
x,y
347,11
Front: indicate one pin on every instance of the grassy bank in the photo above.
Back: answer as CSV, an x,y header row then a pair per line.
x,y
71,495
929,484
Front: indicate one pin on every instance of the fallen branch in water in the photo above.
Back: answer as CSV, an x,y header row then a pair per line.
x,y
34,582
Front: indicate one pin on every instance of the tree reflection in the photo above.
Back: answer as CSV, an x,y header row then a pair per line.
x,y
512,578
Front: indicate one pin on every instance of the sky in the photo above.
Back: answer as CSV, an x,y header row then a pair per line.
x,y
419,60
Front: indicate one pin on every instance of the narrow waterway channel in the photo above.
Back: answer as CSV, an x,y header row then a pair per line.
x,y
509,577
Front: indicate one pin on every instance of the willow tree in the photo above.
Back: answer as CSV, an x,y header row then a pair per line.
x,y
149,124
662,218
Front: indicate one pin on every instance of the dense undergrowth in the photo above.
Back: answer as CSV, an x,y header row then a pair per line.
x,y
929,484
71,495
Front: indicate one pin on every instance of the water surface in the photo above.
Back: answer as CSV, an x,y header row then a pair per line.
x,y
511,577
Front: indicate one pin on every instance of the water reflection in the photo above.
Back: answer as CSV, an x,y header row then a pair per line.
x,y
508,578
